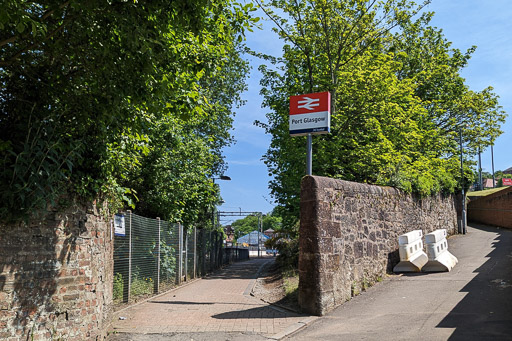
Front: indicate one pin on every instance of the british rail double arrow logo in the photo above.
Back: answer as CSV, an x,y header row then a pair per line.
x,y
308,103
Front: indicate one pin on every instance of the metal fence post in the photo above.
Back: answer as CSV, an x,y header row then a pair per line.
x,y
156,285
203,252
195,253
127,280
186,256
211,251
220,259
180,253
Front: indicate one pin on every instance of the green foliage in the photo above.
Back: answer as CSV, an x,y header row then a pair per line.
x,y
118,287
288,257
500,174
141,286
167,261
398,100
112,98
291,284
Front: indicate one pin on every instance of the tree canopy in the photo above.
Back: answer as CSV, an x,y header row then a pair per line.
x,y
398,105
125,100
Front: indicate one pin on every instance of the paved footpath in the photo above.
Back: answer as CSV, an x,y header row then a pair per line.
x,y
218,307
472,302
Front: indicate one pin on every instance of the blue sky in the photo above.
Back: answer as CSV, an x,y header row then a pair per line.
x,y
486,24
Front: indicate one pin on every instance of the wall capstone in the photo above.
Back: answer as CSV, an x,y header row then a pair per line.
x,y
494,209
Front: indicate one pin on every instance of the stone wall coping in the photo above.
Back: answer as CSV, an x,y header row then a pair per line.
x,y
315,181
491,196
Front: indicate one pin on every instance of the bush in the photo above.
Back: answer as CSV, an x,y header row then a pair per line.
x,y
118,286
288,253
141,286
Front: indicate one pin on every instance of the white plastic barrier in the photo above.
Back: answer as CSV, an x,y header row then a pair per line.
x,y
412,257
439,259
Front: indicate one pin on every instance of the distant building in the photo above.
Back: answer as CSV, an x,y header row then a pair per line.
x,y
230,233
269,233
487,183
252,238
508,171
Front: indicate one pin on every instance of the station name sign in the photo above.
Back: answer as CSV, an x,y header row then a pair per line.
x,y
310,114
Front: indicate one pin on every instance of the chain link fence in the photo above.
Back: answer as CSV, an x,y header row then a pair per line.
x,y
152,255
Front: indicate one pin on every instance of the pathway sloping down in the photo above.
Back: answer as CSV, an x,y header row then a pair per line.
x,y
471,302
220,303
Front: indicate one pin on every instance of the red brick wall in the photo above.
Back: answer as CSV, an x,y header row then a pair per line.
x,y
56,277
494,209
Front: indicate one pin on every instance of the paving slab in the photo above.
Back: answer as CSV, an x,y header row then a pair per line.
x,y
217,307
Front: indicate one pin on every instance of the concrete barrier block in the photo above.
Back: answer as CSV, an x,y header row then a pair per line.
x,y
410,248
436,236
439,258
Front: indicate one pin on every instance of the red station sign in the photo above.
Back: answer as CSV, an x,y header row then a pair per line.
x,y
310,114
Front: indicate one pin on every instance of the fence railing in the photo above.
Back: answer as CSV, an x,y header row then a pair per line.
x,y
152,255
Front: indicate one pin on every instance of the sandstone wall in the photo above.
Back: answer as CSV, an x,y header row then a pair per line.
x,y
56,277
494,209
349,236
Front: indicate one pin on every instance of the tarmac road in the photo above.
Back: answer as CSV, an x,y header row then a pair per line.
x,y
472,302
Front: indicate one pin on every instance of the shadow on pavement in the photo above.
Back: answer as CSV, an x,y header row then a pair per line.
x,y
266,312
241,270
182,302
486,311
197,303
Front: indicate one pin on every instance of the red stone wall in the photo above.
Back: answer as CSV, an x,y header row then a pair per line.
x,y
494,209
56,277
349,236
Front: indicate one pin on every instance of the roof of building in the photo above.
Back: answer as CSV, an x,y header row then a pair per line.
x,y
252,238
508,171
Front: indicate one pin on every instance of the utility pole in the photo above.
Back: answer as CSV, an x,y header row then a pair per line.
x,y
480,182
463,224
492,161
259,236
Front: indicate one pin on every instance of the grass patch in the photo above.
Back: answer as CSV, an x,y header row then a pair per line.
x,y
291,284
485,192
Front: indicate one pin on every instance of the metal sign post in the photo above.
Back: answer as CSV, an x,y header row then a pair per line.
x,y
309,155
310,114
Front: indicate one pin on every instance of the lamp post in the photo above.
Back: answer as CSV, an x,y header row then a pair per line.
x,y
259,236
492,162
222,177
463,224
260,231
480,182
213,254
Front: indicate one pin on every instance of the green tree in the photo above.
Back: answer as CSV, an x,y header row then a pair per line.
x,y
90,89
250,223
486,175
398,100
